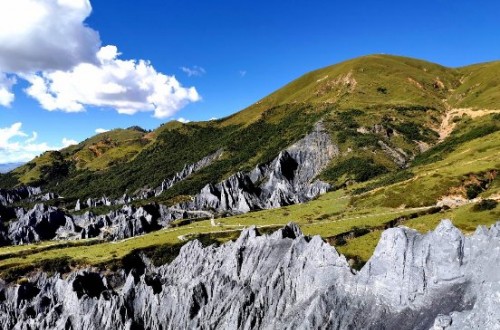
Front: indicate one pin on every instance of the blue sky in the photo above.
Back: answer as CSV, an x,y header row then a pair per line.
x,y
225,54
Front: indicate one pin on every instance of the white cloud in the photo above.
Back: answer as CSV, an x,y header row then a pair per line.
x,y
194,71
6,95
242,73
101,130
68,142
183,120
37,35
128,86
47,43
17,146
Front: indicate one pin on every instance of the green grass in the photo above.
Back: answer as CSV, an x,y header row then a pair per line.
x,y
463,218
480,88
434,180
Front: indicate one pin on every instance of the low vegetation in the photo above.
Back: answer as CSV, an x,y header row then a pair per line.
x,y
365,104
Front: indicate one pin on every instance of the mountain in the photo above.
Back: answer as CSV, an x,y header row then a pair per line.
x,y
5,168
366,156
361,102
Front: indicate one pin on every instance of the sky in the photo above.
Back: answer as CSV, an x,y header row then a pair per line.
x,y
72,68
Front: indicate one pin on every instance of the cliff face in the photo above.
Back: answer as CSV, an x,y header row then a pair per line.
x,y
288,179
441,280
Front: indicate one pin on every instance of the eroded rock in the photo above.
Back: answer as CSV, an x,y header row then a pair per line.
x,y
440,280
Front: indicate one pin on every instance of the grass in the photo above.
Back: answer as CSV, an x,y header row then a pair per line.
x,y
480,87
431,181
463,218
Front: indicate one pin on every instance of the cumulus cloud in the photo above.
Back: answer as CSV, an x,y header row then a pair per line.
x,y
47,43
6,95
194,71
128,86
183,120
68,142
101,130
17,146
37,35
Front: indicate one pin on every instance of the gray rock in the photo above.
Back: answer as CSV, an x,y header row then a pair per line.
x,y
10,196
440,280
398,155
288,179
187,171
38,224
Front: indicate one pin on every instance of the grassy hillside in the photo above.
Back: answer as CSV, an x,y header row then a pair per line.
x,y
397,101
351,218
479,87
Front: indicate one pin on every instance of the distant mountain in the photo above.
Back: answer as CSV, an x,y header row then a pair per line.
x,y
4,168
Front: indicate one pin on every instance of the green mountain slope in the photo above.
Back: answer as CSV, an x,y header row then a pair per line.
x,y
451,161
396,101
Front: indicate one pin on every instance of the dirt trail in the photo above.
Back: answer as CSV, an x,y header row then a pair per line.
x,y
447,125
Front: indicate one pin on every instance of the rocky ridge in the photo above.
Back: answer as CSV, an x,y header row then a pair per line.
x,y
440,280
11,196
288,179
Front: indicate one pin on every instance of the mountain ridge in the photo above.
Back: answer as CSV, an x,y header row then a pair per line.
x,y
403,86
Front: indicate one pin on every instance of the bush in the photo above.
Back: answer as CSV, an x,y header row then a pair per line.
x,y
439,151
485,205
473,191
56,265
357,168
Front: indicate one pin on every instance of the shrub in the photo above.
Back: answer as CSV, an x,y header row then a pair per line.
x,y
473,191
56,265
485,205
357,168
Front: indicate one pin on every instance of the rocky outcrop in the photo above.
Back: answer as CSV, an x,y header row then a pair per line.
x,y
187,171
38,224
441,280
128,221
397,154
10,196
288,179
44,222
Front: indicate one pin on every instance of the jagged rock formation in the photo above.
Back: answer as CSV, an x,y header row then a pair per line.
x,y
288,179
187,171
128,221
37,224
441,280
148,193
44,222
10,196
